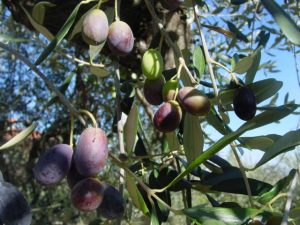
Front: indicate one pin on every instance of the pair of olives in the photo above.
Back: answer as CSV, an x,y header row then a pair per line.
x,y
96,30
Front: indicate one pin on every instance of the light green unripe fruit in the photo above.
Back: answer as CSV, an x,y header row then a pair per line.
x,y
152,64
169,90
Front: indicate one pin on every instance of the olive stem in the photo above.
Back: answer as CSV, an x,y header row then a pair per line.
x,y
99,4
48,83
91,116
242,169
117,2
206,52
220,65
177,78
72,131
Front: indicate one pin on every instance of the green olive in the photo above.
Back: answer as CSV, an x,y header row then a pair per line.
x,y
152,64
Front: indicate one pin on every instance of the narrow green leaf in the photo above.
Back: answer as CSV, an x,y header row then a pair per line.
x,y
135,194
243,65
278,187
39,10
95,50
215,121
60,35
193,140
250,75
19,137
286,24
232,216
258,121
99,72
173,142
153,217
130,129
283,144
260,142
38,27
238,2
199,60
238,33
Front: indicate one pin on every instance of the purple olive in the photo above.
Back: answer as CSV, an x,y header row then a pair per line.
x,y
244,103
91,152
120,38
167,118
87,194
153,90
53,165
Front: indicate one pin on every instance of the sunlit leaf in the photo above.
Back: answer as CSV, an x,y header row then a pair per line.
x,y
193,140
173,142
243,65
95,50
283,144
199,60
135,194
99,72
254,67
286,24
260,142
19,137
130,129
232,216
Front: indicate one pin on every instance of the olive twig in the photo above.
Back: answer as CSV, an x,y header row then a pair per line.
x,y
242,169
206,53
117,2
99,4
48,83
91,116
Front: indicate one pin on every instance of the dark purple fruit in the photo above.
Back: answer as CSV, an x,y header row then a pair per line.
x,y
244,103
171,4
113,204
91,152
87,195
193,101
95,27
53,165
153,90
120,38
74,176
167,118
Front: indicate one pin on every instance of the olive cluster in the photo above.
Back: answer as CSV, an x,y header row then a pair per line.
x,y
157,91
96,30
81,168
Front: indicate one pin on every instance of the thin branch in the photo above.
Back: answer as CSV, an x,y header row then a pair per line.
x,y
243,174
206,52
48,83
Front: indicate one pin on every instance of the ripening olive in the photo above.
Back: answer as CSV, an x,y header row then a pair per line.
x,y
120,38
113,204
53,165
95,27
167,118
91,152
152,64
244,103
87,194
153,90
193,101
